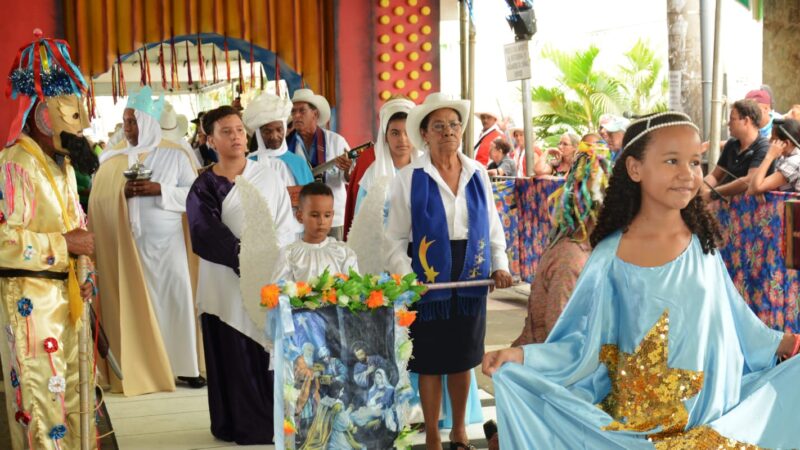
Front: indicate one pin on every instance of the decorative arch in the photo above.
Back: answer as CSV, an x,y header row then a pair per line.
x,y
300,32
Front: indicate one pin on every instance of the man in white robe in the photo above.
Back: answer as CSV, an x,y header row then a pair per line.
x,y
317,145
266,117
154,212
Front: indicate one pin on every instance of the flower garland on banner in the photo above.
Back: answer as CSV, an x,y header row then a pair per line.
x,y
358,294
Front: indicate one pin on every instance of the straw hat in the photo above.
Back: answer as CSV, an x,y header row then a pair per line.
x,y
319,102
434,101
173,126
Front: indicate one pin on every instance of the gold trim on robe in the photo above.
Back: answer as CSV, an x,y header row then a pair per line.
x,y
123,293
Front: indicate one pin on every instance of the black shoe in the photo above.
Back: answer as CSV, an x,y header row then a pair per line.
x,y
194,382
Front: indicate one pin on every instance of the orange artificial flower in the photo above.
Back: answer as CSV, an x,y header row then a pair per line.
x,y
342,276
269,295
375,299
288,427
329,296
406,318
303,289
397,278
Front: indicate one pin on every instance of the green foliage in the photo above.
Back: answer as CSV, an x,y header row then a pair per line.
x,y
644,85
582,93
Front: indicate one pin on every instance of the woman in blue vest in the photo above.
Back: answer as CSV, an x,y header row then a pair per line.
x,y
444,227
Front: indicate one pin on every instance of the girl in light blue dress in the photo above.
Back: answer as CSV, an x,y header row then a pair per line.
x,y
656,348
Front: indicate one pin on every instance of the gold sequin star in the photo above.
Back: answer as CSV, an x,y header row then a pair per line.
x,y
645,392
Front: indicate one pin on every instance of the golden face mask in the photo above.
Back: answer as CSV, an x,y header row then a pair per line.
x,y
66,113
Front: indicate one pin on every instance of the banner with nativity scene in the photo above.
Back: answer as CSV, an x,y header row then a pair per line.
x,y
338,342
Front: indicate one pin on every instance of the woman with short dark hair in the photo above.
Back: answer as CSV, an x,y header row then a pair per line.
x,y
239,384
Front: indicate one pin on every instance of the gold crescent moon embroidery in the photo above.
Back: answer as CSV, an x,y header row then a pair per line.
x,y
430,272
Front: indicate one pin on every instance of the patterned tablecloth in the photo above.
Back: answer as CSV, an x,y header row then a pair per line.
x,y
753,228
753,251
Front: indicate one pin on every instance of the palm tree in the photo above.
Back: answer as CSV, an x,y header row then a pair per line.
x,y
581,96
645,87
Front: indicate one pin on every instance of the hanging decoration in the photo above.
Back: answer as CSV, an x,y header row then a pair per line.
x,y
162,66
214,64
176,82
277,76
90,101
148,80
143,75
114,83
227,60
188,65
201,63
241,75
252,67
122,89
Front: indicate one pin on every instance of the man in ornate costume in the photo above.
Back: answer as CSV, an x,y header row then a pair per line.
x,y
42,231
147,296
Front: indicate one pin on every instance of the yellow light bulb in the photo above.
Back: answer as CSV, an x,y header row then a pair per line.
x,y
426,29
385,76
413,56
399,47
399,29
399,11
426,10
427,46
412,19
427,67
384,3
412,2
399,84
384,20
399,65
426,85
385,57
384,39
385,95
413,95
413,37
413,75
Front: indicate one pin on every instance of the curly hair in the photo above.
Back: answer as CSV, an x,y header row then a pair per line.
x,y
624,196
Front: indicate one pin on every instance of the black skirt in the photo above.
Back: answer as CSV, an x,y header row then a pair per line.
x,y
239,384
454,344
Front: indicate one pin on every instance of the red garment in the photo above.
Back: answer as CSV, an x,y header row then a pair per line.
x,y
361,165
483,144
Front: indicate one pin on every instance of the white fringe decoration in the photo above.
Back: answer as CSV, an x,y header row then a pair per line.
x,y
367,232
258,250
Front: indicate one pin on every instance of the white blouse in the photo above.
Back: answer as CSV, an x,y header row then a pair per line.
x,y
398,233
301,261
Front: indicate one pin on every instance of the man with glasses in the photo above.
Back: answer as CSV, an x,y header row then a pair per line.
x,y
742,154
310,112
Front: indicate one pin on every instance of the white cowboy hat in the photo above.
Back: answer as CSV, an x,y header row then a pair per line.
x,y
434,101
319,102
173,126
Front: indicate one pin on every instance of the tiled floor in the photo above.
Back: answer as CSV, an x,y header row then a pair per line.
x,y
179,420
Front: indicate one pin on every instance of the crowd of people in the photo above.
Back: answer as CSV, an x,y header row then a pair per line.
x,y
631,308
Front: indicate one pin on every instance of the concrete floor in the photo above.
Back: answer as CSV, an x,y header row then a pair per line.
x,y
179,420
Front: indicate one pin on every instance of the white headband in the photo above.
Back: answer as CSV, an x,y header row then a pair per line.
x,y
648,128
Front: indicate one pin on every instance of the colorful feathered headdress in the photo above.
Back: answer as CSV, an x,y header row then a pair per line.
x,y
41,69
579,199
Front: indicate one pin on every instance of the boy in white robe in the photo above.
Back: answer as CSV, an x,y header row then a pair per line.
x,y
317,251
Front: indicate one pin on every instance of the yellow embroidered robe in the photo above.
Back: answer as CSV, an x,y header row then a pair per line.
x,y
31,228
